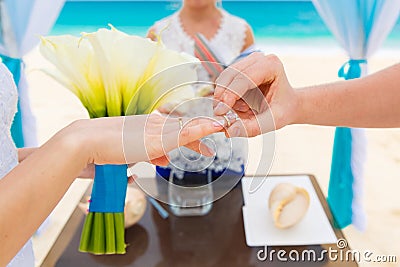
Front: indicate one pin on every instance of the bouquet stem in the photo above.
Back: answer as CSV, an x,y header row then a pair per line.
x,y
104,231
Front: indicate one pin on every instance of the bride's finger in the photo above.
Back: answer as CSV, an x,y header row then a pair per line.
x,y
192,133
176,124
161,161
189,134
201,148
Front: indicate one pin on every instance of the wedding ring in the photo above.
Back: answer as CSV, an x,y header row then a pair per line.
x,y
228,122
232,115
180,123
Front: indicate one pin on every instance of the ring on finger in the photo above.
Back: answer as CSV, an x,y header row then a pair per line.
x,y
228,122
180,123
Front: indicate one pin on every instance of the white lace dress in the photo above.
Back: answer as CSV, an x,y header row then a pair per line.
x,y
227,44
8,151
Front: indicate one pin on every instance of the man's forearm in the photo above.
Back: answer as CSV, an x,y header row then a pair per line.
x,y
371,102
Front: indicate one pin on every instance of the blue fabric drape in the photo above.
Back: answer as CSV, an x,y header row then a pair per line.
x,y
352,69
14,65
21,24
340,191
360,26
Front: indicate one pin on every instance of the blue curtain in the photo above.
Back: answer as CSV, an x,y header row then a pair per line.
x,y
360,26
21,24
14,65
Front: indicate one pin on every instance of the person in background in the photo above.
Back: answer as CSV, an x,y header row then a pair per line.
x,y
227,36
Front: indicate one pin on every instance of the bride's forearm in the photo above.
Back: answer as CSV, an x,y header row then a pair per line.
x,y
32,189
23,153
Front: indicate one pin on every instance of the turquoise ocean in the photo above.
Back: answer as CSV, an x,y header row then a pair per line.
x,y
273,22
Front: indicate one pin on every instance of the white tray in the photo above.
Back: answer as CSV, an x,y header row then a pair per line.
x,y
260,230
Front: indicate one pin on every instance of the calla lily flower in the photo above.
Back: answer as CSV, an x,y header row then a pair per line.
x,y
76,69
115,74
166,79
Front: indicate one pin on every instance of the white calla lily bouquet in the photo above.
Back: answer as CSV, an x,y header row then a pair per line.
x,y
115,74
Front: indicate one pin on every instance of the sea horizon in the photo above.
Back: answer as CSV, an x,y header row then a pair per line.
x,y
181,0
294,25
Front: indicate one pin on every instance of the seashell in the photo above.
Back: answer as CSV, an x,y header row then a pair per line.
x,y
135,206
288,204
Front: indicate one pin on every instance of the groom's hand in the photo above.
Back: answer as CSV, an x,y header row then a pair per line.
x,y
257,89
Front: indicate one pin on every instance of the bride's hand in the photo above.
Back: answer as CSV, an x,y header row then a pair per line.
x,y
131,139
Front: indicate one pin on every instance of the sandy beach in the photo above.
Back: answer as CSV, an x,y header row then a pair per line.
x,y
299,149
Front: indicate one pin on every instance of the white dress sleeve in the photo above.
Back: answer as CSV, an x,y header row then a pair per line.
x,y
8,151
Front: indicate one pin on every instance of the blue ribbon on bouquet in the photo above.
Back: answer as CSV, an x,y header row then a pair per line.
x,y
109,188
